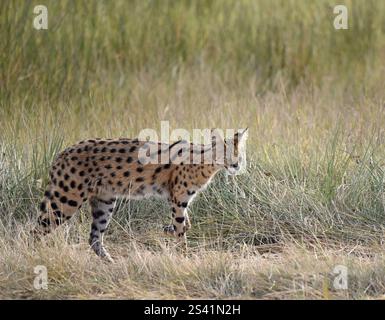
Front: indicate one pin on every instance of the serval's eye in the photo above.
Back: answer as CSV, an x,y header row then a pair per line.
x,y
235,165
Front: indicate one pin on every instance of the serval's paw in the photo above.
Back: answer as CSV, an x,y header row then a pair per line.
x,y
169,230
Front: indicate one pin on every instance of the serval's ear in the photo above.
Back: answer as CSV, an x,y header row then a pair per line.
x,y
243,134
240,136
216,136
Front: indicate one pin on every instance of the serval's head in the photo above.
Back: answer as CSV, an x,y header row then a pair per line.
x,y
231,152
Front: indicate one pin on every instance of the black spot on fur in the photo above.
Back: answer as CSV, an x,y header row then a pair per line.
x,y
43,207
45,222
58,214
179,219
97,214
72,203
63,199
48,194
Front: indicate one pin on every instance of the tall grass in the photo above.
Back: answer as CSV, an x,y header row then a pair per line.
x,y
96,44
312,96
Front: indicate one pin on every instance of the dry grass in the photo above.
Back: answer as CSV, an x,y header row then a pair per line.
x,y
141,272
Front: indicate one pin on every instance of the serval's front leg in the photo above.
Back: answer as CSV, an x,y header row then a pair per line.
x,y
180,222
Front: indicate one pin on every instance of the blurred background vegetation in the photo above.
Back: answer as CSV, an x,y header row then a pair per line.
x,y
312,95
105,44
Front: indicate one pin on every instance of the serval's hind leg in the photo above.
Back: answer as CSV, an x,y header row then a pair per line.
x,y
102,208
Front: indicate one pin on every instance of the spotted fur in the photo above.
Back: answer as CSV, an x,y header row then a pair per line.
x,y
100,170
